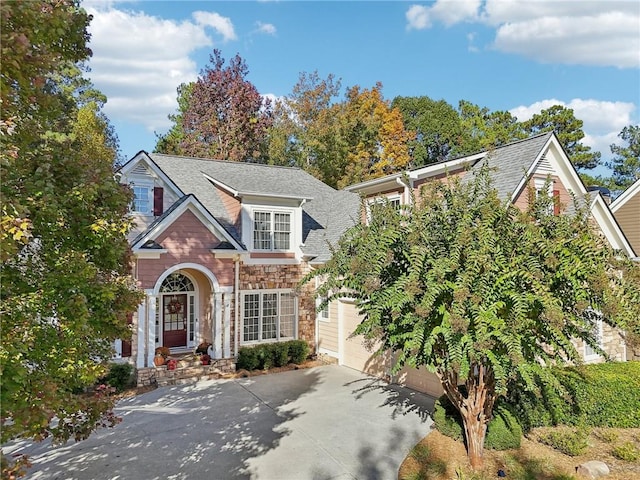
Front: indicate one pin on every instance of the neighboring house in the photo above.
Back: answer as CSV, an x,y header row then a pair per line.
x,y
514,168
219,249
626,210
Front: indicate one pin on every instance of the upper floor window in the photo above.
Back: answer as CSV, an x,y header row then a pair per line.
x,y
271,230
142,198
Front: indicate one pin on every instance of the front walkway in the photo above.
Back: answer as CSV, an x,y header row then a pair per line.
x,y
326,422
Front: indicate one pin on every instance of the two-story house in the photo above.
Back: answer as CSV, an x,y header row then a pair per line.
x,y
515,169
219,249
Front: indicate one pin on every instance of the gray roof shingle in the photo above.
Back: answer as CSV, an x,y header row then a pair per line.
x,y
327,213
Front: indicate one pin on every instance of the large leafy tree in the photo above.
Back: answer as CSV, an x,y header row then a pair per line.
x,y
171,142
626,163
304,131
568,128
484,129
437,126
66,290
226,117
374,136
479,292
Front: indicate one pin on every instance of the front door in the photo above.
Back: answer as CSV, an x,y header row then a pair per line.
x,y
174,320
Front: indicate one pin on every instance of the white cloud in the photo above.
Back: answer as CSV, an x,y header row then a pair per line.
x,y
570,32
602,120
266,28
448,12
216,21
139,60
418,17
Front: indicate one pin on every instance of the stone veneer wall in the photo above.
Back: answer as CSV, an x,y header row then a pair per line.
x,y
161,376
263,277
612,343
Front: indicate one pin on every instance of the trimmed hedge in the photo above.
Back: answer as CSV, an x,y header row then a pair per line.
x,y
598,395
503,432
269,355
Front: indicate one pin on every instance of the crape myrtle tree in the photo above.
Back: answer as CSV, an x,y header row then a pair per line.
x,y
480,293
66,289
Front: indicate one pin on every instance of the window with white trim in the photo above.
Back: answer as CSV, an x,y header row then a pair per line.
x,y
596,321
268,316
142,198
393,200
320,299
271,230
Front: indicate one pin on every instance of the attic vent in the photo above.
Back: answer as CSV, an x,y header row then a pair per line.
x,y
545,166
140,169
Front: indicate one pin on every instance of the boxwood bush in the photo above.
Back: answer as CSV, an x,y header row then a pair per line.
x,y
269,355
598,395
120,376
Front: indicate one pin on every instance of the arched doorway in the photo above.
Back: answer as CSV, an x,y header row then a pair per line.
x,y
177,301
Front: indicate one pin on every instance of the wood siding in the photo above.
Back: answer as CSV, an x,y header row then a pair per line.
x,y
628,217
186,240
328,331
233,207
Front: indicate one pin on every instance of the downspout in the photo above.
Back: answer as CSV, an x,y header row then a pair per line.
x,y
236,308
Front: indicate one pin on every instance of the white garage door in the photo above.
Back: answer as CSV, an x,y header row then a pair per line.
x,y
356,351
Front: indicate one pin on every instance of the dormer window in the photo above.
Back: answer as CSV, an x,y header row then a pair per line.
x,y
271,230
142,199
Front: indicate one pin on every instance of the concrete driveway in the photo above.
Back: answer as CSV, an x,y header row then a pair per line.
x,y
326,422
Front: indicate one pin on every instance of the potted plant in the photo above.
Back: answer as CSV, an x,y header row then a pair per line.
x,y
161,356
203,348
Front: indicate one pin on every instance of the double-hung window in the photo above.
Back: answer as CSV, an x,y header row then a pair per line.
x,y
142,198
271,230
268,316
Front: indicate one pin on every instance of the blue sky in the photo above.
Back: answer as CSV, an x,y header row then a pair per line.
x,y
500,54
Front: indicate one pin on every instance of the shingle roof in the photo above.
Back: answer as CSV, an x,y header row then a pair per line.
x,y
510,163
327,213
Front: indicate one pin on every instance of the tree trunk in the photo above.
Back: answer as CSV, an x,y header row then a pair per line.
x,y
475,429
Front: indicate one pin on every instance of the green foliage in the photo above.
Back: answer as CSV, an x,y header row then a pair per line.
x,y
476,290
66,288
570,441
299,351
447,420
626,163
627,452
609,436
568,128
247,359
120,376
504,431
268,355
597,395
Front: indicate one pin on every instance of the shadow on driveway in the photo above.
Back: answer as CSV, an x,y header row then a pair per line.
x,y
305,424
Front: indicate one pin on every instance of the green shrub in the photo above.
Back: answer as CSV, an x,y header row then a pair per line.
x,y
570,441
503,432
247,359
599,395
298,351
608,436
280,354
447,420
627,452
120,376
269,355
